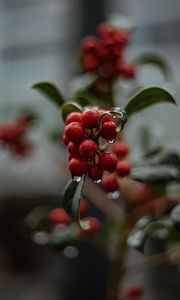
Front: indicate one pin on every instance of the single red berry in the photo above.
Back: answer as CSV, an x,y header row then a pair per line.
x,y
90,118
126,70
102,52
70,156
95,172
84,208
59,216
73,117
88,148
90,44
108,131
65,140
121,149
77,166
105,30
133,291
74,132
108,161
106,117
93,226
123,168
109,183
11,132
122,37
73,148
89,62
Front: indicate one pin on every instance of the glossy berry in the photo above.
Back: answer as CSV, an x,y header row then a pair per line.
x,y
65,140
125,70
106,117
108,161
90,118
105,30
108,130
73,148
93,227
121,149
74,132
123,168
77,166
59,216
73,117
95,172
133,291
109,183
88,148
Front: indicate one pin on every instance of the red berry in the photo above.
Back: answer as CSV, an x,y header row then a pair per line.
x,y
12,131
77,166
73,117
122,37
106,117
107,70
73,148
125,70
90,44
109,183
133,291
105,30
59,216
121,149
88,148
74,132
90,118
123,168
108,161
108,130
93,226
84,208
95,172
89,62
65,140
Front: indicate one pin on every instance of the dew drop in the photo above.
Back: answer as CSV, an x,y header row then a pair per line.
x,y
115,195
97,181
111,141
77,178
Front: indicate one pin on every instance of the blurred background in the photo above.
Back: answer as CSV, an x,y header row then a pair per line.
x,y
39,40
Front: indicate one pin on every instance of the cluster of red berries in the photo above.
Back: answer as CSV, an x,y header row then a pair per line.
x,y
120,150
104,55
81,136
59,216
12,134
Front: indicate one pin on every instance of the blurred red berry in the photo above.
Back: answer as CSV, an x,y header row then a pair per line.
x,y
93,227
95,172
123,168
74,132
133,291
73,148
59,216
89,62
90,44
109,183
126,70
108,161
65,140
88,148
108,130
121,149
84,208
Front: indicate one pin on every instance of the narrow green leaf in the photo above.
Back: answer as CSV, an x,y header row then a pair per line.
x,y
72,196
157,61
49,90
68,108
146,98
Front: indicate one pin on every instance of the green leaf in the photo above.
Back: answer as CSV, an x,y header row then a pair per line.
x,y
35,216
146,98
49,90
157,61
68,108
72,196
85,97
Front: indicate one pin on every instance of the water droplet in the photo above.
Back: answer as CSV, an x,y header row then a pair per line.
x,y
71,252
97,181
111,141
41,238
77,178
115,195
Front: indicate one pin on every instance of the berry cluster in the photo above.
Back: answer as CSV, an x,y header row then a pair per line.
x,y
81,136
103,55
120,150
12,134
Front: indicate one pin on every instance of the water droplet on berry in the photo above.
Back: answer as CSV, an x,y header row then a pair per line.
x,y
111,141
77,178
97,181
115,195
